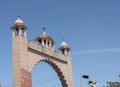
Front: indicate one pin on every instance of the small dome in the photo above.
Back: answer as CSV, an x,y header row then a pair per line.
x,y
19,23
19,20
44,36
64,45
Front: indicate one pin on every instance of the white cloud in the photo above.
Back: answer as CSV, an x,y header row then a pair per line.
x,y
96,51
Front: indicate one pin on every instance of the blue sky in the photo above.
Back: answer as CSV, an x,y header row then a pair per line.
x,y
90,27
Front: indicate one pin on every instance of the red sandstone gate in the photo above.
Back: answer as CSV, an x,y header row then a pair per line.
x,y
26,54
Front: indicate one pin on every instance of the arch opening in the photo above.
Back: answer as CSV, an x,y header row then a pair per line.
x,y
56,79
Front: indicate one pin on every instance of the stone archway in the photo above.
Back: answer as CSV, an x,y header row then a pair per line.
x,y
56,69
26,53
61,66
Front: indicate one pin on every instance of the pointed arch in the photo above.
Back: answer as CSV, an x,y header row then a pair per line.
x,y
57,70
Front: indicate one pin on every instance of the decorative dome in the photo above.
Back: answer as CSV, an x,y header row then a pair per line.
x,y
64,45
19,20
44,37
19,23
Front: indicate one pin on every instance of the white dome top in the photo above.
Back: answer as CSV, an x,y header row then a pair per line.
x,y
44,33
64,43
19,20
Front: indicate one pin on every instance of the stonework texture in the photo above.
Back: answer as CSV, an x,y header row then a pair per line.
x,y
26,54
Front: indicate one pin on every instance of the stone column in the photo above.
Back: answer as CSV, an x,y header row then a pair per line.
x,y
13,33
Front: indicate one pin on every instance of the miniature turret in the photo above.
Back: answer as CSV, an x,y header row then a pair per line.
x,y
19,28
64,49
45,40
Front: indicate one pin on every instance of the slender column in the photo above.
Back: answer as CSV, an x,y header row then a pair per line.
x,y
53,47
50,44
65,51
46,43
13,33
25,33
42,42
20,33
68,53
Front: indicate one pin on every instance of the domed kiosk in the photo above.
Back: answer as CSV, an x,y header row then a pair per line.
x,y
64,49
45,40
19,28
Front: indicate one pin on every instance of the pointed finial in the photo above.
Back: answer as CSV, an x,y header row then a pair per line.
x,y
18,17
43,29
63,39
18,20
63,43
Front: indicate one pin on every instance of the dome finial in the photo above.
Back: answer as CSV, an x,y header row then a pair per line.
x,y
18,20
43,29
18,16
63,43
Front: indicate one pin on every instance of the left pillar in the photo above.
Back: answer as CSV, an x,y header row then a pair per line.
x,y
21,75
